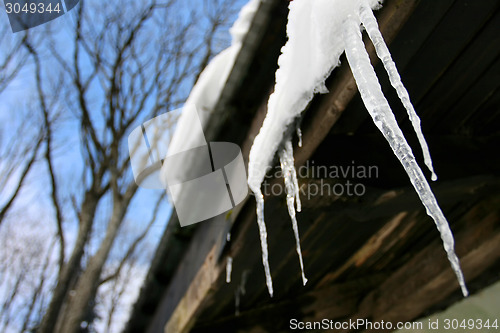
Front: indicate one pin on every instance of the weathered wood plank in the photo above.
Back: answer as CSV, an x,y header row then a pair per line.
x,y
426,279
423,281
320,256
451,37
462,78
184,315
335,301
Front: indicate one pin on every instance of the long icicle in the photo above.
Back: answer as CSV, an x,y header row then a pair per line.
x,y
263,237
292,192
379,109
370,23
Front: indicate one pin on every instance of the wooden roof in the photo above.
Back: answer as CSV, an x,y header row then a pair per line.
x,y
376,256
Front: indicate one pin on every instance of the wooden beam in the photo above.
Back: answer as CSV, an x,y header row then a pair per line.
x,y
427,279
185,313
333,302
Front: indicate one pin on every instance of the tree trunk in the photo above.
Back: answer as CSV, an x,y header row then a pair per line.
x,y
89,281
71,268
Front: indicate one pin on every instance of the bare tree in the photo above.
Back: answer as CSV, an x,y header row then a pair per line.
x,y
18,154
25,263
119,64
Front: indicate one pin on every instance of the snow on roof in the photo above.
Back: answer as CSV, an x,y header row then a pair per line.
x,y
207,90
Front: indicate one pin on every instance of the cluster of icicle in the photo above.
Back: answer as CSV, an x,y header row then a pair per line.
x,y
319,31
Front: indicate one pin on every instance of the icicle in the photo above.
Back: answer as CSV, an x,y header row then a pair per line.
x,y
296,187
294,174
299,135
237,302
292,192
370,23
379,109
240,291
287,153
229,268
263,237
244,277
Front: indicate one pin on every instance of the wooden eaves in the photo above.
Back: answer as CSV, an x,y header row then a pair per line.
x,y
378,256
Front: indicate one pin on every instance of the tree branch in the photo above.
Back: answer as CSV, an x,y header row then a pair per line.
x,y
131,250
48,150
24,173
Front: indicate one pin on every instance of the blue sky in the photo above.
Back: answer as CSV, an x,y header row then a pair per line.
x,y
34,202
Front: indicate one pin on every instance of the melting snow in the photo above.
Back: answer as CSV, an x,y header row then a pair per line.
x,y
319,31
